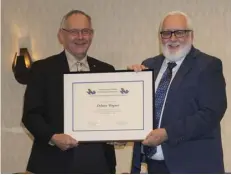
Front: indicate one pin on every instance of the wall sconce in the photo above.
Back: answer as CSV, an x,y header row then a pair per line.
x,y
21,66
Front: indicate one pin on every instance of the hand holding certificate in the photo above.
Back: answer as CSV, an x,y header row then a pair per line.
x,y
114,106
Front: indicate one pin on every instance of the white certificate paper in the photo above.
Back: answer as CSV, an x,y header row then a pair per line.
x,y
114,106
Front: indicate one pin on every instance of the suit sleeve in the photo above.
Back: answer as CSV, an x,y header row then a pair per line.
x,y
111,68
34,116
212,104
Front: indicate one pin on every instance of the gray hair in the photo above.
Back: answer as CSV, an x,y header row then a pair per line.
x,y
188,20
73,12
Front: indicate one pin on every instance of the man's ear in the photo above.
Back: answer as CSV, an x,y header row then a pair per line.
x,y
192,35
60,36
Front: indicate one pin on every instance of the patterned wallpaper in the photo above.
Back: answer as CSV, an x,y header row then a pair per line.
x,y
125,33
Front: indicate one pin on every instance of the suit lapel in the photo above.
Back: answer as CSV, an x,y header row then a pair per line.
x,y
183,70
92,64
157,65
63,64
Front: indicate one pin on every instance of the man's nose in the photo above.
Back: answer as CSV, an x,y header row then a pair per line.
x,y
173,37
79,35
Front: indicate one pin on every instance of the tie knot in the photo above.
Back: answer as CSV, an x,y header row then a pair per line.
x,y
171,65
79,66
79,63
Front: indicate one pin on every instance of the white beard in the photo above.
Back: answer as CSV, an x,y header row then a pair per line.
x,y
173,57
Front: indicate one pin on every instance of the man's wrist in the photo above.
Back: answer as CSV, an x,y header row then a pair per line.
x,y
165,134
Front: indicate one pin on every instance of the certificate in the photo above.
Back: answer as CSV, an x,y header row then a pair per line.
x,y
108,106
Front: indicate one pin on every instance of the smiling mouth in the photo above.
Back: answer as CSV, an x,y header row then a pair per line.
x,y
80,45
173,46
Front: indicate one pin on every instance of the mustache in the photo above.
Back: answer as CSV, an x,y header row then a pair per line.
x,y
172,44
80,41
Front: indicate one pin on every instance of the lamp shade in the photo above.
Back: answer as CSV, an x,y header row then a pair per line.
x,y
21,66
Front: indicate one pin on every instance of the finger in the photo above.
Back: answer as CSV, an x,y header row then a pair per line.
x,y
75,143
152,141
68,147
149,139
137,68
64,148
72,142
149,135
67,144
67,140
134,67
143,67
145,142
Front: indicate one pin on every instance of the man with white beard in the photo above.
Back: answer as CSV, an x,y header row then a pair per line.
x,y
190,101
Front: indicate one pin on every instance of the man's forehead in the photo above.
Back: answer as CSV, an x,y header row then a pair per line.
x,y
175,22
78,20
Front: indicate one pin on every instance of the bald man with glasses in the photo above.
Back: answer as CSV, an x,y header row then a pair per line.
x,y
54,152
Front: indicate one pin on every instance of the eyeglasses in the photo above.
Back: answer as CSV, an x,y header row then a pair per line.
x,y
177,33
84,32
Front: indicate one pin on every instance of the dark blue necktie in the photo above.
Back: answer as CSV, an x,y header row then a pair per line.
x,y
159,101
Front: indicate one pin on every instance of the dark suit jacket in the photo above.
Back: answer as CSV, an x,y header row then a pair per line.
x,y
195,105
43,117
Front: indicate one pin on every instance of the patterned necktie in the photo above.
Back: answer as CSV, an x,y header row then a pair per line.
x,y
159,101
79,66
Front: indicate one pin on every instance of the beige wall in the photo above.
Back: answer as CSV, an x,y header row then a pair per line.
x,y
126,33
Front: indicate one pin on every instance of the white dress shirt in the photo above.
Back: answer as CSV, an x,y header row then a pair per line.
x,y
159,153
73,63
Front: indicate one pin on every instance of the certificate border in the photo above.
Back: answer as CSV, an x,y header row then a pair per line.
x,y
73,83
129,135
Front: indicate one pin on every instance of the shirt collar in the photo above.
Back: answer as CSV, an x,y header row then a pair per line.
x,y
178,62
165,64
72,60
